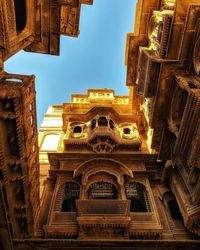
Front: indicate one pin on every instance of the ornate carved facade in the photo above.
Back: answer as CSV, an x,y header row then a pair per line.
x,y
99,180
166,46
36,25
113,171
104,182
19,165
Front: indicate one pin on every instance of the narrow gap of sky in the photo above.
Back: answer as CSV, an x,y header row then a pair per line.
x,y
93,60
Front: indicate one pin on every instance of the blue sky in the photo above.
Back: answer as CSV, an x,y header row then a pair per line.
x,y
93,60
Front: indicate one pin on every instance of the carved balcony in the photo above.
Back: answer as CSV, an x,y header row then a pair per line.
x,y
148,74
115,136
103,139
103,213
101,130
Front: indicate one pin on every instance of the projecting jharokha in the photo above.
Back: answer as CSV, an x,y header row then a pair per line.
x,y
105,171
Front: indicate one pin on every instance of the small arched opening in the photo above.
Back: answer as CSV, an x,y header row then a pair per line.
x,y
127,131
102,121
77,130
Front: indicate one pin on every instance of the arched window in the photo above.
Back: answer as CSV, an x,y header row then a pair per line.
x,y
50,142
71,194
93,124
77,130
102,190
20,14
102,121
127,131
111,124
137,194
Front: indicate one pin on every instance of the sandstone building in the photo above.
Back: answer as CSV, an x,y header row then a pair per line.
x,y
36,25
108,171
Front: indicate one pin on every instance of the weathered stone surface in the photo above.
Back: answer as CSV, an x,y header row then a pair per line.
x,y
115,171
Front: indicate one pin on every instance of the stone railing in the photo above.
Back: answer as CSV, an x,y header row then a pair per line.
x,y
106,131
103,207
103,213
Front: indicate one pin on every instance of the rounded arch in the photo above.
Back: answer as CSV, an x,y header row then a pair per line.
x,y
129,130
102,176
115,167
77,129
98,170
129,124
103,121
77,123
126,131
